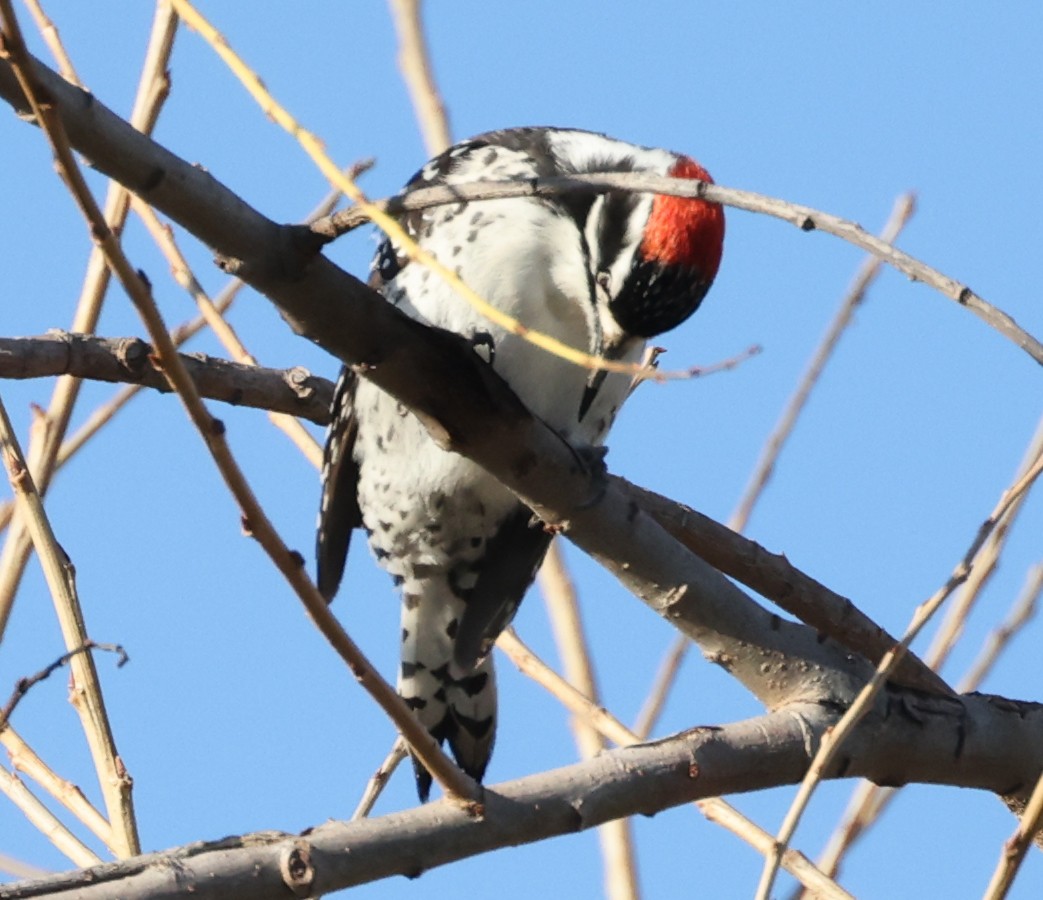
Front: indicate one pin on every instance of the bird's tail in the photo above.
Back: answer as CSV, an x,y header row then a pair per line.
x,y
456,707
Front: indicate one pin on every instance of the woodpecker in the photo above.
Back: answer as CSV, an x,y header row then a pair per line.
x,y
600,272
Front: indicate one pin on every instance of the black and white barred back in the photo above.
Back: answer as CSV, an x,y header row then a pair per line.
x,y
601,273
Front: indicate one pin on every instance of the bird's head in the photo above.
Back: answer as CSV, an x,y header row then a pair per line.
x,y
657,256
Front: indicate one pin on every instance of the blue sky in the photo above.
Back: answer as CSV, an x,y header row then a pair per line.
x,y
233,715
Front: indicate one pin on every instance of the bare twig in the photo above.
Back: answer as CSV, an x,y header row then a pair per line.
x,y
617,846
665,679
803,217
24,759
24,685
20,869
1015,848
86,695
51,37
951,628
415,63
45,821
1023,610
295,391
378,781
903,210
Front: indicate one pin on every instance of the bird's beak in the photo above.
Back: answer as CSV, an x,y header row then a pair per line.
x,y
594,383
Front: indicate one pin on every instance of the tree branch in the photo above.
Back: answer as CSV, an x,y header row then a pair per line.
x,y
803,217
979,742
295,391
130,360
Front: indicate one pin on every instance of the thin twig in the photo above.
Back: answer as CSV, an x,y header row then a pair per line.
x,y
27,761
997,641
25,684
604,722
665,679
379,779
617,845
1016,846
49,33
255,521
803,217
87,699
833,741
952,625
20,869
415,63
903,210
45,821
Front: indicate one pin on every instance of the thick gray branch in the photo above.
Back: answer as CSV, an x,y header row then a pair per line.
x,y
977,742
296,392
129,360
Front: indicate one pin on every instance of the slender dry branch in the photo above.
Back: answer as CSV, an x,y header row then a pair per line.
x,y
617,845
294,391
20,869
1003,743
803,217
951,628
25,760
86,693
49,32
903,210
45,821
415,63
25,684
378,781
997,641
1015,848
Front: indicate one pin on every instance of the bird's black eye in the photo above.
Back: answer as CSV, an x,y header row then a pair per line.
x,y
656,298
